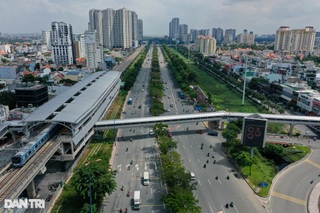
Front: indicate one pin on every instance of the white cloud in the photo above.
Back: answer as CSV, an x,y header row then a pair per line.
x,y
259,16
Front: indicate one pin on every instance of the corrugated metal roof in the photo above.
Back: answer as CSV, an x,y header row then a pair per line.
x,y
73,112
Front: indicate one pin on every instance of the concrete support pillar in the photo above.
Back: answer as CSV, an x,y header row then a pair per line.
x,y
31,191
291,129
222,125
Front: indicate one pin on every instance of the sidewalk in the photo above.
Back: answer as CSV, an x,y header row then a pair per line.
x,y
313,199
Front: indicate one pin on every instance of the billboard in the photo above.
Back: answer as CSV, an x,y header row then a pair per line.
x,y
254,132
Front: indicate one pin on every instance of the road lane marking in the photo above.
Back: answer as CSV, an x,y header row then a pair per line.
x,y
289,198
313,163
223,209
209,182
198,160
189,160
219,181
210,208
235,208
183,146
191,146
199,182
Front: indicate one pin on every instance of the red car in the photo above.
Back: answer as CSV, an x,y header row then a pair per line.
x,y
200,132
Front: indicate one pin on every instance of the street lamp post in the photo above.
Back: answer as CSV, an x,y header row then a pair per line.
x,y
89,165
244,82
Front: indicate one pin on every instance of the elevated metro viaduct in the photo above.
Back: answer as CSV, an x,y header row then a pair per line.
x,y
211,116
76,110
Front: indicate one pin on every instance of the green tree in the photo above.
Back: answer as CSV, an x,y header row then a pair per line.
x,y
8,98
86,208
181,200
160,129
28,78
102,181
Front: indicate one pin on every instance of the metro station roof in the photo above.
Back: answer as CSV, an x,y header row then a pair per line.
x,y
73,105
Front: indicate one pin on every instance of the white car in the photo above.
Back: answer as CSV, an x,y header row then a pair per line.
x,y
151,132
168,110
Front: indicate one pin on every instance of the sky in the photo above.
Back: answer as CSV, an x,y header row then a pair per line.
x,y
259,16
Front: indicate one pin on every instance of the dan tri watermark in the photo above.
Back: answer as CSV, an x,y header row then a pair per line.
x,y
24,203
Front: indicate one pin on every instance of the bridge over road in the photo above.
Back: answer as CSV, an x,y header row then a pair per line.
x,y
200,117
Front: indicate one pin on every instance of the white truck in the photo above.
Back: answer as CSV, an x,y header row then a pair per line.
x,y
136,200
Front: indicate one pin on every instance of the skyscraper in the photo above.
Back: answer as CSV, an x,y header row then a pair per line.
x,y
183,33
108,23
95,24
174,29
246,38
194,34
204,32
229,35
217,33
62,43
205,44
134,22
46,38
94,51
123,28
140,29
295,41
118,27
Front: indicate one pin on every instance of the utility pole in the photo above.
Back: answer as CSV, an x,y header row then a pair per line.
x,y
244,82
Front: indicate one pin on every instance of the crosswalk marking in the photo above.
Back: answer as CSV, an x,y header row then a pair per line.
x,y
289,198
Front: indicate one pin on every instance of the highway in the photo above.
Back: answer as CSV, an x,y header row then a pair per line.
x,y
212,194
288,194
142,151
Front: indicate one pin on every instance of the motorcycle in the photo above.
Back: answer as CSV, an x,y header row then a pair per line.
x,y
128,194
122,188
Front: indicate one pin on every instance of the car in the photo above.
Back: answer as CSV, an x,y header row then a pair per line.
x,y
171,105
139,107
192,176
168,110
170,135
169,97
213,133
151,132
200,132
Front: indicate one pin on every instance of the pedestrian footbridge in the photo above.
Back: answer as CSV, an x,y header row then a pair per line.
x,y
200,117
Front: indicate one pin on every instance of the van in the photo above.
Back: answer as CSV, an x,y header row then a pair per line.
x,y
146,178
192,176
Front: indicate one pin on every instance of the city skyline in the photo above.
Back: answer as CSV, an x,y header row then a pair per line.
x,y
261,17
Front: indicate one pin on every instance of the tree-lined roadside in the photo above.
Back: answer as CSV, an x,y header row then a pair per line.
x,y
179,198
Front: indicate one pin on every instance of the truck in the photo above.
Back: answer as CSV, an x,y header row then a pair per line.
x,y
181,95
136,200
130,101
